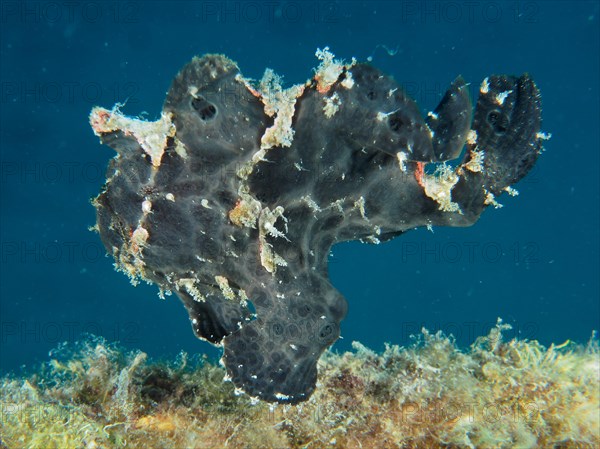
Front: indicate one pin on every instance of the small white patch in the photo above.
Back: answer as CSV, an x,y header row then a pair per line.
x,y
146,207
332,105
205,204
490,199
180,149
485,86
266,225
280,104
170,197
337,205
372,239
381,116
439,187
543,135
226,290
330,69
401,156
360,205
311,203
348,82
472,137
431,133
151,136
188,284
475,164
501,97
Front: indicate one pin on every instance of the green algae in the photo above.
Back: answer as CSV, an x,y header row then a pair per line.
x,y
496,394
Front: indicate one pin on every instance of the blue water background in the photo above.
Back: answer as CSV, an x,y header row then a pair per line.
x,y
535,262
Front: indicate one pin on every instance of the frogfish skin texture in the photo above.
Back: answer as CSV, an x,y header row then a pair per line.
x,y
233,198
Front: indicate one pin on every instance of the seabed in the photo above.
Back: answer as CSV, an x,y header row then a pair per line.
x,y
496,394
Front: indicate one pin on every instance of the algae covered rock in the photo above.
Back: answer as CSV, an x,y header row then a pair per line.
x,y
233,198
498,393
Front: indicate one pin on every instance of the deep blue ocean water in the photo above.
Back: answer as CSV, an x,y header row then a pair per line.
x,y
535,262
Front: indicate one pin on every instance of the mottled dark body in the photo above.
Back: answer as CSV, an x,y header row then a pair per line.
x,y
339,180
